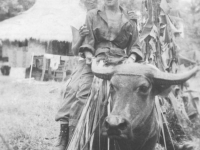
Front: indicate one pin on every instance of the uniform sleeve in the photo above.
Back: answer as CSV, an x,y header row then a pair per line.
x,y
76,42
134,47
88,44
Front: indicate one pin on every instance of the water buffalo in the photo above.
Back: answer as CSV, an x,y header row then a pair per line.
x,y
133,119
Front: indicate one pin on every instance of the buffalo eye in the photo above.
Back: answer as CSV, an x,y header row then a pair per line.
x,y
143,89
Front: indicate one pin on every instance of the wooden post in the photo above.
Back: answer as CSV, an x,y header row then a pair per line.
x,y
31,67
43,68
49,51
64,71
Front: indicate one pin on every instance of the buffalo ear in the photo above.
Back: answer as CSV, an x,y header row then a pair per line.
x,y
163,90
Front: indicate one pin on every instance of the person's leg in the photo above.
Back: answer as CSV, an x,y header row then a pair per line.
x,y
73,101
63,137
82,96
62,117
67,126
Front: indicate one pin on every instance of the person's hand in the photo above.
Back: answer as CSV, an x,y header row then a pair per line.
x,y
131,59
83,31
132,15
88,57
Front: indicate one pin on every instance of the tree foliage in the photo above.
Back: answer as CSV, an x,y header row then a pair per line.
x,y
132,4
191,16
10,8
194,22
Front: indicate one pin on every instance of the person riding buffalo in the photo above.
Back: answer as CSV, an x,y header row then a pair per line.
x,y
110,34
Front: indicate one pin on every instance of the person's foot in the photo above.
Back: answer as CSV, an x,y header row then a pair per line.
x,y
63,137
71,132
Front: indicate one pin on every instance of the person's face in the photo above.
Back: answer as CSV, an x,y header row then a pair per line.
x,y
111,2
90,4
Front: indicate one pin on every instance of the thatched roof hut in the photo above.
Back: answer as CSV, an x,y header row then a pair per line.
x,y
44,28
47,20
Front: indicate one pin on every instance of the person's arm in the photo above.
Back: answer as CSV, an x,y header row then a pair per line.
x,y
79,38
88,46
133,48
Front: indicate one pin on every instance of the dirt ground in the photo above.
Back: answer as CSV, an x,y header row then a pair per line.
x,y
27,112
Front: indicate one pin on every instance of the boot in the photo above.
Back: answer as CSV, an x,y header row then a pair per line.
x,y
63,137
71,132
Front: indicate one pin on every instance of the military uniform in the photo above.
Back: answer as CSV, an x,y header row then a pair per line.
x,y
99,39
75,94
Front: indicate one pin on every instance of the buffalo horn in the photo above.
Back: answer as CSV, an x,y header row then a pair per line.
x,y
163,78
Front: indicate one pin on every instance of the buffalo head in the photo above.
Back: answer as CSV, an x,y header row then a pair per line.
x,y
133,89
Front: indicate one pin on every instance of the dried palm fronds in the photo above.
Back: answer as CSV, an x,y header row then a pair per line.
x,y
161,119
89,122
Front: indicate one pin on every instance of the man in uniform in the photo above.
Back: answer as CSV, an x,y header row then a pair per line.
x,y
76,91
112,34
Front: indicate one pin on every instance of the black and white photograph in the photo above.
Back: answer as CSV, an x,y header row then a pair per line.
x,y
99,74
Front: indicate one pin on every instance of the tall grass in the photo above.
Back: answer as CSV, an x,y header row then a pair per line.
x,y
27,115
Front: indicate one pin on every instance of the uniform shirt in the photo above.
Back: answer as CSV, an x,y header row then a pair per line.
x,y
100,33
